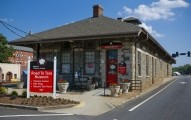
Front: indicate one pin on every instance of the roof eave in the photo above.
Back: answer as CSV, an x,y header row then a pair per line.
x,y
153,39
103,36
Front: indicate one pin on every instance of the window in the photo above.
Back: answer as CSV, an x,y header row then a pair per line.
x,y
15,76
89,62
147,65
112,54
155,66
48,56
160,64
139,63
2,76
65,63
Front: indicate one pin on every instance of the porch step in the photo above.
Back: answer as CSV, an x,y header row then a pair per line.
x,y
98,92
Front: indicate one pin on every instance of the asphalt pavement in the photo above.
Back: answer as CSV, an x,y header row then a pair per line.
x,y
168,102
157,104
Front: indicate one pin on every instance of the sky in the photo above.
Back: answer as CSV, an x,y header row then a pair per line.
x,y
168,21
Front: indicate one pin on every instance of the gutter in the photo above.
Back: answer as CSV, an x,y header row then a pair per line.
x,y
53,40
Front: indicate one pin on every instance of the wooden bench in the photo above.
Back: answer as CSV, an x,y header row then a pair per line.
x,y
82,83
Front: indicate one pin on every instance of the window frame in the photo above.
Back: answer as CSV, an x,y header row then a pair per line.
x,y
65,62
91,61
139,63
147,65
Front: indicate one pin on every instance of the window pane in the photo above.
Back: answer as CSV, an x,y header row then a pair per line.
x,y
139,63
112,54
90,68
65,68
89,62
65,57
90,57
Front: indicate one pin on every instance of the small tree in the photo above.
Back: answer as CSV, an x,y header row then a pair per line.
x,y
5,50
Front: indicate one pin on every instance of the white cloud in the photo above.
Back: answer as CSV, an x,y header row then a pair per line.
x,y
6,20
151,31
163,9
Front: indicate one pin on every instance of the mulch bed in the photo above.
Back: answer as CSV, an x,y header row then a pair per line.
x,y
36,101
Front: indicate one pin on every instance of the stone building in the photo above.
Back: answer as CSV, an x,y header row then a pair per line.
x,y
103,48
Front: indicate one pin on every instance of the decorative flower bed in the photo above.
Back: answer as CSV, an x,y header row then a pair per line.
x,y
36,101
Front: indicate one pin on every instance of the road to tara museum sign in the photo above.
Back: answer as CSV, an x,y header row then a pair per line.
x,y
41,76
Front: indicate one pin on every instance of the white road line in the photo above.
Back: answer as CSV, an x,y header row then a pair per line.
x,y
150,97
33,115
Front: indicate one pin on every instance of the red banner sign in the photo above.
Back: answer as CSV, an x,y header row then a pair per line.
x,y
41,76
41,80
122,68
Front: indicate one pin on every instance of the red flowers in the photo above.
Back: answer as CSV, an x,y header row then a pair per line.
x,y
62,81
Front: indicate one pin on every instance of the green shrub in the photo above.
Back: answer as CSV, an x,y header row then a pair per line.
x,y
14,93
3,90
24,94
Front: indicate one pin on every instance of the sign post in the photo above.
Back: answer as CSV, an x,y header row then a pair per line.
x,y
54,79
28,78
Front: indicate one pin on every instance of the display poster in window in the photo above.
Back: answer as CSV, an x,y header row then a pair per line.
x,y
41,76
122,68
65,68
90,68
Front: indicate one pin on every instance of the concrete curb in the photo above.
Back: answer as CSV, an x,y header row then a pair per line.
x,y
36,108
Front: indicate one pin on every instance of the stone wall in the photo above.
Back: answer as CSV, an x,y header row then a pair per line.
x,y
158,69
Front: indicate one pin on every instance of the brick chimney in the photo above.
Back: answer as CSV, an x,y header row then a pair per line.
x,y
97,10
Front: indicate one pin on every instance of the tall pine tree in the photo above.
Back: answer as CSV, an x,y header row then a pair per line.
x,y
5,50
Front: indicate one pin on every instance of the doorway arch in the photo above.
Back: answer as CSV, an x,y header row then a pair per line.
x,y
9,76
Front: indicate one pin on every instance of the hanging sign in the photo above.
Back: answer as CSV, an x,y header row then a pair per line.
x,y
122,68
111,45
41,76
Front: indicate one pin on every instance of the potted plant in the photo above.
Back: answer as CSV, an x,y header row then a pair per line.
x,y
63,85
20,84
115,89
125,84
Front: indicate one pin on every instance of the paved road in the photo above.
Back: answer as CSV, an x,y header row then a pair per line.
x,y
171,101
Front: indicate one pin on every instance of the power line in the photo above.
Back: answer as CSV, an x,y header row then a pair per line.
x,y
6,24
10,29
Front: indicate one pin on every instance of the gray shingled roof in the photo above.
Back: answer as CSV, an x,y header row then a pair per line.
x,y
22,48
94,26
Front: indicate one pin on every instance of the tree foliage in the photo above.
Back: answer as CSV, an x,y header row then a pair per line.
x,y
5,50
186,69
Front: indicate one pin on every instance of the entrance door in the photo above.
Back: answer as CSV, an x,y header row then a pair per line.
x,y
9,77
111,67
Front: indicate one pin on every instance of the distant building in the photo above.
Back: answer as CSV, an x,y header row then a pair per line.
x,y
21,55
10,72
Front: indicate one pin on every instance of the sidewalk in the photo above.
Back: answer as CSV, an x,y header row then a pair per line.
x,y
93,102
